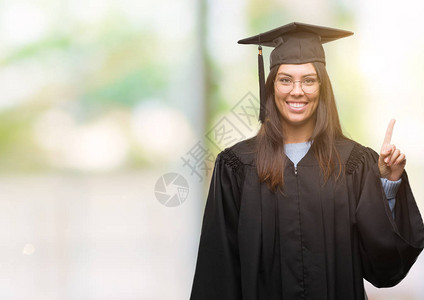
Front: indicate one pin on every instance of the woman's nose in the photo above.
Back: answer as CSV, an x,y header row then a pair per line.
x,y
297,88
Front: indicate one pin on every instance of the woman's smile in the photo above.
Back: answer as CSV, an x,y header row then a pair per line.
x,y
297,106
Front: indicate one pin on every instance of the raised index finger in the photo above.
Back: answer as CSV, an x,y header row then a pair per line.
x,y
389,132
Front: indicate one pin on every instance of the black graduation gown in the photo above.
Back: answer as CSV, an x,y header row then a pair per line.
x,y
318,240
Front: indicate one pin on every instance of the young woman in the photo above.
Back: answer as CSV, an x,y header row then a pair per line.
x,y
300,211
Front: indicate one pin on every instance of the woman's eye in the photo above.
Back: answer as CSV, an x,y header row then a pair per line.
x,y
310,81
285,80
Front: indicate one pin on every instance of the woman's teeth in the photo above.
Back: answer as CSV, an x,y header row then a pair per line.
x,y
297,104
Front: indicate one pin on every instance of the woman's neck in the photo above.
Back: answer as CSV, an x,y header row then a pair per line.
x,y
298,134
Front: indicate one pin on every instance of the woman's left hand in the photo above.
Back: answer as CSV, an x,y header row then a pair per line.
x,y
391,162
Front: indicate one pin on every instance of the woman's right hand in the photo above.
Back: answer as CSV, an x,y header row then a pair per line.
x,y
391,161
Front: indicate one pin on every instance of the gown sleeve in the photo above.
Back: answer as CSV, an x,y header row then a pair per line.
x,y
388,246
217,274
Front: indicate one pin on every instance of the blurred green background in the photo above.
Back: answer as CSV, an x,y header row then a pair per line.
x,y
100,98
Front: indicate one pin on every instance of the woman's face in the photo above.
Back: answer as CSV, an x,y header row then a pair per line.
x,y
296,107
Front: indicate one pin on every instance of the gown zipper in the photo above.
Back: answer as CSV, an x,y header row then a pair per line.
x,y
301,238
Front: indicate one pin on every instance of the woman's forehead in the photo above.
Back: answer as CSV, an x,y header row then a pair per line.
x,y
297,69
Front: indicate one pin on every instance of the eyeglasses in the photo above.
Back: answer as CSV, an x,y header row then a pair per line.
x,y
286,85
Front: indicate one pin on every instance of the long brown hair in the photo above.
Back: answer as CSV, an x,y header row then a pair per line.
x,y
270,158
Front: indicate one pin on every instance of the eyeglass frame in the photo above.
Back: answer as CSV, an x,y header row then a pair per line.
x,y
301,85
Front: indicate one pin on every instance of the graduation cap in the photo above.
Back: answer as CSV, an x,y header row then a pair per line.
x,y
294,43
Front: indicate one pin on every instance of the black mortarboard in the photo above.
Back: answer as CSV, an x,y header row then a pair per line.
x,y
294,43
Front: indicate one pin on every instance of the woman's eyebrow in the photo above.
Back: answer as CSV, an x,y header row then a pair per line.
x,y
286,74
289,75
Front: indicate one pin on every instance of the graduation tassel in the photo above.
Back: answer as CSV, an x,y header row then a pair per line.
x,y
262,95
